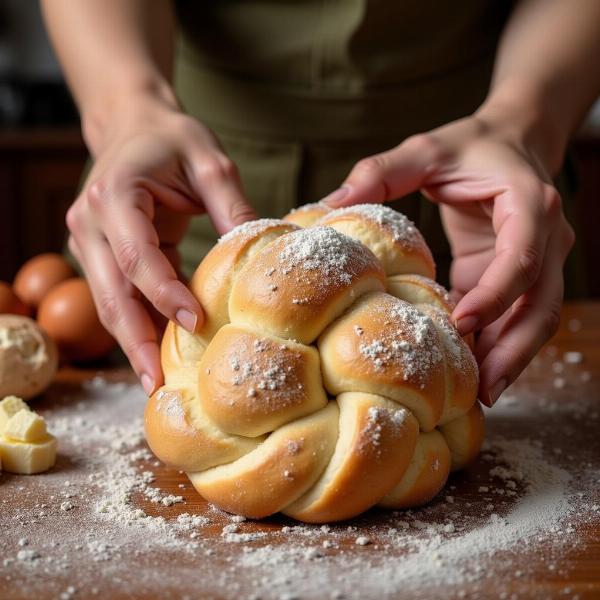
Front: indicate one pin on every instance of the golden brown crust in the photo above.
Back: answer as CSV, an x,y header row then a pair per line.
x,y
426,475
393,238
251,384
182,435
386,346
417,289
278,471
302,281
308,214
244,408
178,430
180,351
464,436
376,441
461,372
214,277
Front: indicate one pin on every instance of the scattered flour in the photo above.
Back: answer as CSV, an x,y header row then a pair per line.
x,y
337,257
408,343
396,224
528,498
573,358
250,229
378,418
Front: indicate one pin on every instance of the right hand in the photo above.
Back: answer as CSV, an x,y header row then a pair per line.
x,y
155,168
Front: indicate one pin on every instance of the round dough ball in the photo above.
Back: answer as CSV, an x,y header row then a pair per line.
x,y
68,314
28,357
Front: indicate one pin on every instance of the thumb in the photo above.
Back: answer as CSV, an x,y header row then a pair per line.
x,y
389,175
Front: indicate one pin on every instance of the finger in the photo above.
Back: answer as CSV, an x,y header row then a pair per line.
x,y
390,175
125,214
488,337
216,179
123,314
75,250
158,319
455,296
523,217
467,269
172,255
533,320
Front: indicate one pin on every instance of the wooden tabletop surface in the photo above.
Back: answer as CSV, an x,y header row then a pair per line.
x,y
522,522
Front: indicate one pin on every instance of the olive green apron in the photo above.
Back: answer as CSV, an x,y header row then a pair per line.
x,y
298,91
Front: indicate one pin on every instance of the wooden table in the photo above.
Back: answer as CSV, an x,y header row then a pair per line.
x,y
551,414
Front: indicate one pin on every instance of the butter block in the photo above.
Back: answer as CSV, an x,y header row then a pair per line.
x,y
26,426
28,458
10,406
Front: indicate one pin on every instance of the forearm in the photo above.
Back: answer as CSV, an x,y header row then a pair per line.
x,y
113,52
546,75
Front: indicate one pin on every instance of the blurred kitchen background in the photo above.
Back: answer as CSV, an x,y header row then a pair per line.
x,y
42,154
41,150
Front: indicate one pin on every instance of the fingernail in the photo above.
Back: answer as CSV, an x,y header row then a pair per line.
x,y
496,390
147,383
466,324
186,319
336,196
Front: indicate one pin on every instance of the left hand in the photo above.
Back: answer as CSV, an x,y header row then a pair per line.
x,y
504,221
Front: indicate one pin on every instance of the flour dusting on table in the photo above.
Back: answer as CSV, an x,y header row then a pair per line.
x,y
84,522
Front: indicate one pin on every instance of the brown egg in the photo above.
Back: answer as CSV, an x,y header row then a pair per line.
x,y
39,275
68,315
10,303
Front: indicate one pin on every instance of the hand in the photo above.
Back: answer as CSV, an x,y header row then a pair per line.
x,y
154,169
508,235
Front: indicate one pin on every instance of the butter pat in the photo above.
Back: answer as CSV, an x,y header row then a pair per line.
x,y
28,458
26,426
26,447
9,407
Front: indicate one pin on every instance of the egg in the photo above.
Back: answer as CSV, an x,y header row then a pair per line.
x,y
10,303
68,315
39,275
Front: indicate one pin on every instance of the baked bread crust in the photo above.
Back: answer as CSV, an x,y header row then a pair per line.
x,y
426,476
327,377
308,214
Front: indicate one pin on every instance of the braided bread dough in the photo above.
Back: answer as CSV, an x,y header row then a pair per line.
x,y
327,377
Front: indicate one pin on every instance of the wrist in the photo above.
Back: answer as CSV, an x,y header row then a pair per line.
x,y
142,102
522,113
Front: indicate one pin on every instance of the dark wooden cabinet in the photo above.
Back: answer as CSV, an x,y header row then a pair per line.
x,y
40,171
586,157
